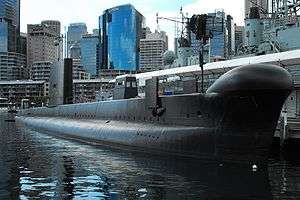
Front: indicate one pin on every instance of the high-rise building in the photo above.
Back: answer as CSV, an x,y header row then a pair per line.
x,y
231,36
75,31
239,37
41,44
75,51
261,4
120,33
12,56
216,22
89,53
54,24
12,66
23,43
9,25
152,49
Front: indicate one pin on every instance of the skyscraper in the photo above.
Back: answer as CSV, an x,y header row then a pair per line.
x,y
120,33
12,62
231,36
261,4
9,25
152,49
239,37
41,44
219,42
54,24
89,53
75,31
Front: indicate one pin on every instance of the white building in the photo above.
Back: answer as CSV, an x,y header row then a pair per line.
x,y
151,51
41,44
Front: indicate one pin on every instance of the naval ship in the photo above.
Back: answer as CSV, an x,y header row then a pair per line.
x,y
234,120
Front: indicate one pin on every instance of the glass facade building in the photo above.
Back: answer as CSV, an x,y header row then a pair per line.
x,y
89,53
12,58
216,22
3,36
9,25
75,31
120,32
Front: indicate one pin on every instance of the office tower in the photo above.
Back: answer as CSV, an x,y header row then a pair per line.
x,y
75,31
12,66
12,61
75,51
231,36
216,23
41,41
120,33
261,4
89,53
23,43
239,37
152,49
9,25
55,25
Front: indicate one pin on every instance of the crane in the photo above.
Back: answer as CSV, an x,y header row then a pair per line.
x,y
184,39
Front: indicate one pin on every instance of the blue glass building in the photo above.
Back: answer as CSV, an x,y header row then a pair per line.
x,y
9,25
120,32
217,24
89,53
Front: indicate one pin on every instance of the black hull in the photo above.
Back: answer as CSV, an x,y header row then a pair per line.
x,y
229,123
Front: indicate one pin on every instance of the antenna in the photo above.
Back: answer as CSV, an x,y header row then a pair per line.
x,y
157,22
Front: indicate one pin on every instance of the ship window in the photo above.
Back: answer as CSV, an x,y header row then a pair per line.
x,y
128,84
119,83
292,98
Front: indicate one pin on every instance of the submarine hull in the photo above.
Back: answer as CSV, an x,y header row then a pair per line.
x,y
234,121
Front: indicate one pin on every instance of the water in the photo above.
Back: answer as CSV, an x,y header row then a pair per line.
x,y
35,165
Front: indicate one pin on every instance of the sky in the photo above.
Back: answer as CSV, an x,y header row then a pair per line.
x,y
88,11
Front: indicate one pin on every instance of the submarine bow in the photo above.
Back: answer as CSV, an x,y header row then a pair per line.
x,y
252,100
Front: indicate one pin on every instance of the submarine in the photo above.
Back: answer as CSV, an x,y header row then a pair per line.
x,y
234,120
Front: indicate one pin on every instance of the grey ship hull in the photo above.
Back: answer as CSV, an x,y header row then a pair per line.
x,y
234,121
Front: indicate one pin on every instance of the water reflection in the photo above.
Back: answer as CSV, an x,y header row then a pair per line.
x,y
35,165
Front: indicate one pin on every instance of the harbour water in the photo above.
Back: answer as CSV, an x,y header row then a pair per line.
x,y
36,165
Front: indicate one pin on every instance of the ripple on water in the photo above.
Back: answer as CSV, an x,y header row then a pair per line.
x,y
35,165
